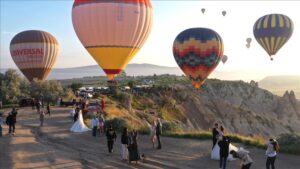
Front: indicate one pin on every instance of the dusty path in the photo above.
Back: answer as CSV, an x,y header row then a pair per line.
x,y
53,146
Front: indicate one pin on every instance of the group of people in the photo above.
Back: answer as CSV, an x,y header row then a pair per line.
x,y
223,150
11,118
41,111
129,139
155,132
98,123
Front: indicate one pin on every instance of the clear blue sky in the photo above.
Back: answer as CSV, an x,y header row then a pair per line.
x,y
170,18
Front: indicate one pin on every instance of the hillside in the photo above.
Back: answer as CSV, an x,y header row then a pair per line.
x,y
241,107
145,69
279,84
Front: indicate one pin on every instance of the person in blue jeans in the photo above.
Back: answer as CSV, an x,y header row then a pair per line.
x,y
224,151
94,125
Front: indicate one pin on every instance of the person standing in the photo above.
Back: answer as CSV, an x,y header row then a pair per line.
x,y
1,122
101,124
133,147
38,106
10,123
244,156
111,138
124,142
48,109
224,151
33,104
215,134
158,133
42,117
103,104
153,133
75,117
12,120
271,153
94,125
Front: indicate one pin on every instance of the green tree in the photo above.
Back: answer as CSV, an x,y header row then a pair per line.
x,y
131,84
75,86
10,86
49,91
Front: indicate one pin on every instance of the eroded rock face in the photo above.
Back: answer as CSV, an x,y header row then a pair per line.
x,y
242,107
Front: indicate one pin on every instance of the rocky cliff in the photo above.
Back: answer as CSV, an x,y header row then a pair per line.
x,y
242,108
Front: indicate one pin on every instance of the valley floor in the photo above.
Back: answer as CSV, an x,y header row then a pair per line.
x,y
53,146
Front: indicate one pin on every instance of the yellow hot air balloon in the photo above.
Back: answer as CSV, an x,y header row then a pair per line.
x,y
35,53
112,31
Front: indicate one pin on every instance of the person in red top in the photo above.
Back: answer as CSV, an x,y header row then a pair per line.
x,y
102,104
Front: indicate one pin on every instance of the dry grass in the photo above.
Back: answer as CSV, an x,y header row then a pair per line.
x,y
256,141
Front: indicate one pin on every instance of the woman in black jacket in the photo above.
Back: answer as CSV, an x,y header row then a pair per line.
x,y
134,154
111,138
124,141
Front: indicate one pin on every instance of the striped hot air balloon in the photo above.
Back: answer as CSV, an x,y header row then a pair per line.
x,y
35,53
197,52
112,31
273,31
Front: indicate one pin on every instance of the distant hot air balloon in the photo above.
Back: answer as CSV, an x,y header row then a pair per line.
x,y
224,59
197,52
248,45
112,31
273,31
223,13
35,53
248,40
203,10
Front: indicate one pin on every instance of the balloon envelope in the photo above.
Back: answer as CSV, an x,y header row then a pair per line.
x,y
273,31
35,53
223,13
203,10
248,40
224,59
112,31
197,52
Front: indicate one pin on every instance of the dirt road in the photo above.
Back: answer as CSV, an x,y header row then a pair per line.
x,y
53,146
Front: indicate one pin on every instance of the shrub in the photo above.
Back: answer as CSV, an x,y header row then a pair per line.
x,y
289,143
118,124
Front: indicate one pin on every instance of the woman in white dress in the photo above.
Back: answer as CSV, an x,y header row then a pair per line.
x,y
79,125
152,128
215,153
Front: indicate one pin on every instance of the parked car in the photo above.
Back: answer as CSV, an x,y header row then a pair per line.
x,y
25,102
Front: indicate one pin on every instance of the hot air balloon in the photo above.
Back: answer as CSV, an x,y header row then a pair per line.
x,y
203,10
223,13
112,31
248,40
272,32
35,53
197,52
224,59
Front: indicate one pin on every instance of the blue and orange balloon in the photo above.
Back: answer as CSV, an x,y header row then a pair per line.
x,y
273,31
197,52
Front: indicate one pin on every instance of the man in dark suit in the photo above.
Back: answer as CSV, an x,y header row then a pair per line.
x,y
158,132
224,151
215,134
